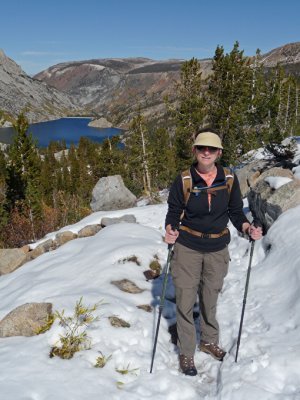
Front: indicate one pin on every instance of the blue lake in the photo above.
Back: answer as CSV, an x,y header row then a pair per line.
x,y
68,129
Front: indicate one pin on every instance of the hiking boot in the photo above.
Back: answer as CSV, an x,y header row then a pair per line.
x,y
213,349
187,365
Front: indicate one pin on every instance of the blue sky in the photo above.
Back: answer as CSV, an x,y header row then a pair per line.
x,y
38,34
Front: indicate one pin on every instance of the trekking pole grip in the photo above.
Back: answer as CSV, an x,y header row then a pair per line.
x,y
257,224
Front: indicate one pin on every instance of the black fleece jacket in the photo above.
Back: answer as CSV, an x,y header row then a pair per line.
x,y
200,217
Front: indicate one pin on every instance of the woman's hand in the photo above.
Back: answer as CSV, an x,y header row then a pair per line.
x,y
255,233
171,235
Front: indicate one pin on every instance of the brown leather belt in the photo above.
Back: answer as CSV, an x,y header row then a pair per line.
x,y
204,235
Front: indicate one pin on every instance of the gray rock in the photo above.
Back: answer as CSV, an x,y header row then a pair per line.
x,y
287,196
89,230
259,206
127,286
276,171
100,123
25,320
249,174
118,322
11,259
110,193
64,237
145,307
25,248
129,218
42,248
267,204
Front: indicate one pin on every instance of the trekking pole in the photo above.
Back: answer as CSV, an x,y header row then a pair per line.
x,y
245,298
162,301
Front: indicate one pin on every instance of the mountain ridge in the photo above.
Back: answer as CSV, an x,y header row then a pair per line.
x,y
114,87
110,87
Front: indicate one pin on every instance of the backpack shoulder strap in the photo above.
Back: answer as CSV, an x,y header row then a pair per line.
x,y
186,184
229,176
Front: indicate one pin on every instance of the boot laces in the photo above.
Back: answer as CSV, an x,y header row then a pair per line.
x,y
188,361
215,347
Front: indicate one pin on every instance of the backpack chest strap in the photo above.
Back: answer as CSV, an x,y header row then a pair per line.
x,y
210,190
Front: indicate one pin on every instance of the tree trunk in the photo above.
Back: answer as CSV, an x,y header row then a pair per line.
x,y
287,108
296,105
147,181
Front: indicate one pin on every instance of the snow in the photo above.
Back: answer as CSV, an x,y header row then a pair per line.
x,y
96,66
268,366
263,154
296,171
276,182
59,72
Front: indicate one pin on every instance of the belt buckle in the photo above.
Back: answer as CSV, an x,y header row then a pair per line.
x,y
206,235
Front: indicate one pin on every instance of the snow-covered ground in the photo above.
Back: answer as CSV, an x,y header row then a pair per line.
x,y
268,367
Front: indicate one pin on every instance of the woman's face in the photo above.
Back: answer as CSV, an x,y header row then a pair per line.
x,y
206,155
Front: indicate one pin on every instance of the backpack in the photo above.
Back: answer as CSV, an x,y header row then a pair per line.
x,y
187,183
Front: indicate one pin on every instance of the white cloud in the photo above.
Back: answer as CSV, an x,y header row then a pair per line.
x,y
171,48
41,53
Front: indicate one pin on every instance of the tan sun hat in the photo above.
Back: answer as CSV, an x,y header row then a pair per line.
x,y
208,139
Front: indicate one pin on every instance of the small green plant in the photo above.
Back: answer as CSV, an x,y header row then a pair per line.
x,y
155,265
126,370
120,384
102,360
132,258
46,326
75,337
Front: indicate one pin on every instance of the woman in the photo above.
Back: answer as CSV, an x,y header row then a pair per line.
x,y
201,257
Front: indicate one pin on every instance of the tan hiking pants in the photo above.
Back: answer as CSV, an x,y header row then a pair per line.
x,y
197,272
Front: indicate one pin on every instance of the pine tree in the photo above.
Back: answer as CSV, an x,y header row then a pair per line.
x,y
111,158
138,156
258,105
74,170
23,181
48,178
228,96
162,158
3,177
2,119
282,112
64,180
190,113
87,157
3,171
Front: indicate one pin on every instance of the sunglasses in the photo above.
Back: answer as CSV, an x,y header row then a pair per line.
x,y
209,148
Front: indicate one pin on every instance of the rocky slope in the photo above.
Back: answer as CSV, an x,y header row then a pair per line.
x,y
288,56
18,92
115,88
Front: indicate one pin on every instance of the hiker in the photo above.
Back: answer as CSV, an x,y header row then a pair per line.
x,y
201,202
